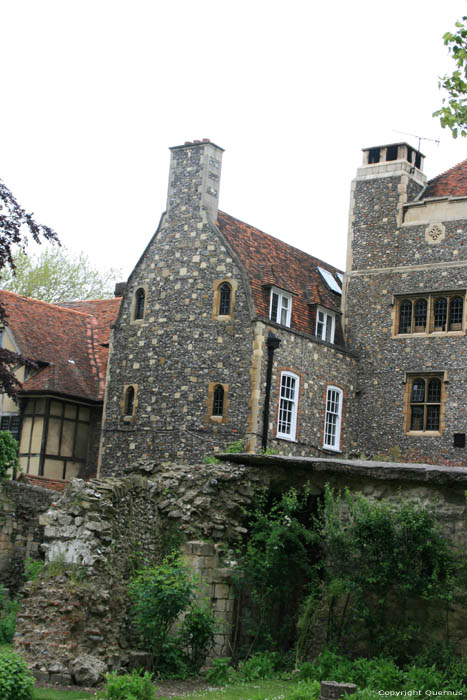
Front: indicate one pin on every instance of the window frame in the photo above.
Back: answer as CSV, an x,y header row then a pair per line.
x,y
336,447
292,436
135,306
327,315
124,416
281,295
409,404
432,300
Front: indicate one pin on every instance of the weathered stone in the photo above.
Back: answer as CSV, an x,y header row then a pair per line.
x,y
88,670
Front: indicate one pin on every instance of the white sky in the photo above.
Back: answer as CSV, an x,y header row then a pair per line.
x,y
94,93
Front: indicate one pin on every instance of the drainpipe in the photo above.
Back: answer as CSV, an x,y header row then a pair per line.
x,y
272,344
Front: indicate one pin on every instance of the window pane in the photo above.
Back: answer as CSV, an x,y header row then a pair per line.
x,y
420,313
287,406
81,448
418,391
440,312
224,302
405,316
70,410
274,305
432,417
416,422
332,419
68,434
434,391
129,401
84,413
218,401
53,436
456,308
56,408
139,304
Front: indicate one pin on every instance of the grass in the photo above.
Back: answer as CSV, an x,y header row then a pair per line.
x,y
257,690
52,694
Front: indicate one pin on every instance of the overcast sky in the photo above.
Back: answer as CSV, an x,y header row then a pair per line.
x,y
96,91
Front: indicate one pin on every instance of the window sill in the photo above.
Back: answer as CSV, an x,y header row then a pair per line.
x,y
423,433
216,419
433,334
286,437
332,449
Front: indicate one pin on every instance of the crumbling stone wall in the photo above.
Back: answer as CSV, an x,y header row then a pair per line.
x,y
20,532
100,532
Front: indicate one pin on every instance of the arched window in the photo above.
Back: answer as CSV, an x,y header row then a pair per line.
x,y
225,295
440,310
140,298
420,315
456,310
405,316
129,401
218,401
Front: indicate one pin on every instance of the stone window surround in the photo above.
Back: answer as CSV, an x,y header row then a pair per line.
x,y
339,430
123,417
430,297
288,371
134,320
281,295
209,418
217,298
410,377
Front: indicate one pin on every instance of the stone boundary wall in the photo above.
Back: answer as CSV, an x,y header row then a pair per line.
x,y
20,532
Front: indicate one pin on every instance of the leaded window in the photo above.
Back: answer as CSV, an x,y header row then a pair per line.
x,y
129,401
425,403
225,295
432,313
280,307
140,298
218,401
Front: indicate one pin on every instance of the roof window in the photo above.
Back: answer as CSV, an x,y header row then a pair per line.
x,y
330,280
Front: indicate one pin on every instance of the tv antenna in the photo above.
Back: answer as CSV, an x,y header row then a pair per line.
x,y
416,136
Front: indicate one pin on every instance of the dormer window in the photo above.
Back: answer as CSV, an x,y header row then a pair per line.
x,y
325,325
280,309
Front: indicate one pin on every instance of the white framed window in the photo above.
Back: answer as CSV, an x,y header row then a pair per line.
x,y
333,419
288,406
325,324
280,308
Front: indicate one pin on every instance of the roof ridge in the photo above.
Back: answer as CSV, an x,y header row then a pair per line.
x,y
51,305
445,172
275,238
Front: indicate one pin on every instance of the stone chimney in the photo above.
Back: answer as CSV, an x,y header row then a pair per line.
x,y
194,179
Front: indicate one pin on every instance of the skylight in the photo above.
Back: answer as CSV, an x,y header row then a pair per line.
x,y
330,280
340,277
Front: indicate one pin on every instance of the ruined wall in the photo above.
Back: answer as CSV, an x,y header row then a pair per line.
x,y
20,532
99,533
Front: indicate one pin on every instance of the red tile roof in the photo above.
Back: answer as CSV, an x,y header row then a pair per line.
x,y
269,261
68,341
452,183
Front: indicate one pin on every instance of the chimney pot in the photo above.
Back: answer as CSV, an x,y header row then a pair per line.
x,y
206,140
187,143
196,141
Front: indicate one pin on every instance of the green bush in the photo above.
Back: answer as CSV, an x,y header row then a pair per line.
x,y
307,691
197,634
32,568
8,610
16,682
260,666
8,453
132,686
159,595
220,671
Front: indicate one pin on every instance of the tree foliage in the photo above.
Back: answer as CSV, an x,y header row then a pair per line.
x,y
16,226
453,113
56,275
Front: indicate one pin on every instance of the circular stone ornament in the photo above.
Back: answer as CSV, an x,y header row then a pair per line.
x,y
435,233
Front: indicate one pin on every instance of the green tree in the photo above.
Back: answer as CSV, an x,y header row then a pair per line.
x,y
56,275
8,453
453,113
16,226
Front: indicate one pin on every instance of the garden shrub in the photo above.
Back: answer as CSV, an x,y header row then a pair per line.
x,y
260,666
220,671
8,611
129,686
159,594
16,682
8,453
378,560
276,566
32,568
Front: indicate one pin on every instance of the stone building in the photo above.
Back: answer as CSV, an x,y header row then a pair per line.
x,y
224,334
57,419
404,306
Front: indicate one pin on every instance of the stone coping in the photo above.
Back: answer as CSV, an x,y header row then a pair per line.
x,y
357,468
